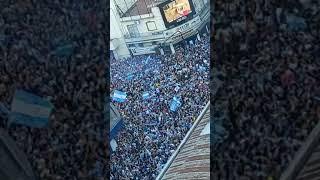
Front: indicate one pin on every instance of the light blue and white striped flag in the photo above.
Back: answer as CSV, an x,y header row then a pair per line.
x,y
30,110
119,96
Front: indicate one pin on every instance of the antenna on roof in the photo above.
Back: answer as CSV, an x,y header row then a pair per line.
x,y
119,10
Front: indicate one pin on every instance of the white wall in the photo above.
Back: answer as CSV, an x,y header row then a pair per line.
x,y
143,20
115,30
117,42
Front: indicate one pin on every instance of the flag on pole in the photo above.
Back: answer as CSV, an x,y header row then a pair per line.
x,y
119,96
30,110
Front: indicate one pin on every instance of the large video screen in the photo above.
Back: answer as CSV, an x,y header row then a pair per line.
x,y
176,12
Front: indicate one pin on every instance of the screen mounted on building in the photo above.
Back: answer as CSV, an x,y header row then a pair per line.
x,y
176,12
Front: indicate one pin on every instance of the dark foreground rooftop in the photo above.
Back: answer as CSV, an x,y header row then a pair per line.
x,y
13,162
306,164
192,159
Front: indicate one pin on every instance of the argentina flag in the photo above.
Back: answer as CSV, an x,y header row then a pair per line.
x,y
119,96
30,110
64,50
145,95
175,104
296,23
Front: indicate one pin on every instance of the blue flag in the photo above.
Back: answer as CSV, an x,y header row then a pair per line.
x,y
296,23
175,104
30,110
130,76
201,69
119,96
65,50
145,95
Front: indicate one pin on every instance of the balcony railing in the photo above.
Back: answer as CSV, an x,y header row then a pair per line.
x,y
144,35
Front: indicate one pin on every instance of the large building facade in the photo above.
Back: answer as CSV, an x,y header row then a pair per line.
x,y
155,26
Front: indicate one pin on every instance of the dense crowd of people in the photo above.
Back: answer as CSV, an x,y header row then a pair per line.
x,y
267,54
152,132
34,57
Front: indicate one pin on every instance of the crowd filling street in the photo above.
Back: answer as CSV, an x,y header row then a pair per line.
x,y
266,54
152,132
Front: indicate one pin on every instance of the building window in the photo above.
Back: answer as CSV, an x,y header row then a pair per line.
x,y
133,30
151,25
157,33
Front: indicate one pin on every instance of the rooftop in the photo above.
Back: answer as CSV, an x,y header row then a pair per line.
x,y
139,8
306,163
114,116
192,158
13,162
